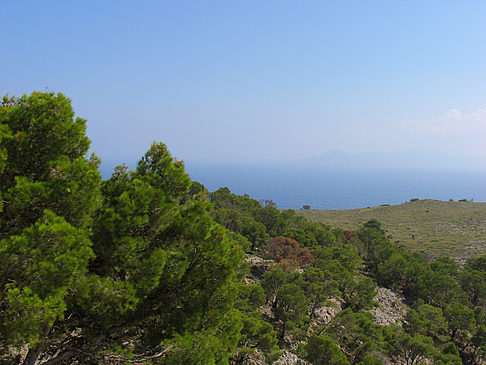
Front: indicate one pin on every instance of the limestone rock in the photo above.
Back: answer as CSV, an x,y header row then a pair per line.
x,y
391,308
258,266
289,358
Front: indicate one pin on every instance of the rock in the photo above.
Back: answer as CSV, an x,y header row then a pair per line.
x,y
324,315
391,308
267,313
258,266
252,281
289,358
257,358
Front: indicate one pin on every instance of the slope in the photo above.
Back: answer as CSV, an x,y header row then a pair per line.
x,y
431,227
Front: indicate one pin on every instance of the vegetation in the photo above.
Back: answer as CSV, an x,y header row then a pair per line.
x,y
430,227
149,267
129,268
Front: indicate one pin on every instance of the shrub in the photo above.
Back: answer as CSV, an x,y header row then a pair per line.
x,y
280,248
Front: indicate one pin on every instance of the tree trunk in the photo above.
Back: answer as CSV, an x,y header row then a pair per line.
x,y
453,334
32,355
35,351
59,358
283,332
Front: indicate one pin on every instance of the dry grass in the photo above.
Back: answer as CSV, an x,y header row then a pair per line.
x,y
432,227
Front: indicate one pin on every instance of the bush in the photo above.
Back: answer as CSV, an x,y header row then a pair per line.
x,y
280,248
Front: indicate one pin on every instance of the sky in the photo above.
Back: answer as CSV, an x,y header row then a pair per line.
x,y
258,81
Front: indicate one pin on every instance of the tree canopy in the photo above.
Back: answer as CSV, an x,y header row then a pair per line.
x,y
91,266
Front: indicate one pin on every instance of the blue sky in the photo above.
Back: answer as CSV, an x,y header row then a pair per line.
x,y
258,81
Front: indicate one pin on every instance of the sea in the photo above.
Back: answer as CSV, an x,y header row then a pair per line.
x,y
291,187
294,186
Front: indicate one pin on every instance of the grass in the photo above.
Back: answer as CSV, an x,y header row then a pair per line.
x,y
431,227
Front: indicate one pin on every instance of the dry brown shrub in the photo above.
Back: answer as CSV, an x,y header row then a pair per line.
x,y
283,248
348,235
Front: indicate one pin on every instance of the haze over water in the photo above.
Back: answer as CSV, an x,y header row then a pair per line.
x,y
338,188
251,82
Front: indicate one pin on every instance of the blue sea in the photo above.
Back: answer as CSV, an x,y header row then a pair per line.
x,y
334,188
291,187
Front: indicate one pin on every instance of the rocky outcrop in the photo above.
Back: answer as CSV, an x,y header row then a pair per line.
x,y
326,314
289,358
258,266
257,358
391,307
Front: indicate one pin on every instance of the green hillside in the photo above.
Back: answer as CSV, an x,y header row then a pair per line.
x,y
432,227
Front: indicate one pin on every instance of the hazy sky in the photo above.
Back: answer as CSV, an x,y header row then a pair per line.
x,y
257,80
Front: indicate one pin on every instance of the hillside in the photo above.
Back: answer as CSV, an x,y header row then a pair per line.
x,y
432,227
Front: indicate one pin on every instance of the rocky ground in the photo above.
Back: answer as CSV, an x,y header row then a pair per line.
x,y
390,309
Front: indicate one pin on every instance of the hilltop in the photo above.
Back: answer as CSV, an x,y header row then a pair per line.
x,y
432,227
